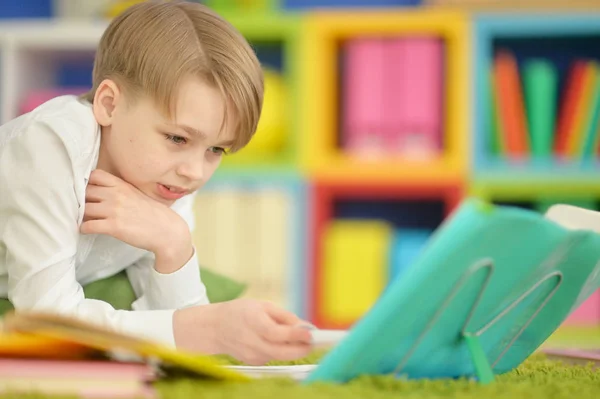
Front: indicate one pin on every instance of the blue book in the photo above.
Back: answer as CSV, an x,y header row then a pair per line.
x,y
406,246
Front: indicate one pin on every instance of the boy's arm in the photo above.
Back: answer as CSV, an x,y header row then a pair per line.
x,y
180,289
154,290
39,230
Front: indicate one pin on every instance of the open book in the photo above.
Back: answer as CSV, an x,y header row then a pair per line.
x,y
49,336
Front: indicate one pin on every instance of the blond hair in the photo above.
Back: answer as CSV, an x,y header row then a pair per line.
x,y
152,46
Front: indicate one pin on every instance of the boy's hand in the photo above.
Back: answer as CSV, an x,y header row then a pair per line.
x,y
116,208
254,332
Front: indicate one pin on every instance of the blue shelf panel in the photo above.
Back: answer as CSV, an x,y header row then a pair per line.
x,y
541,171
296,187
307,4
560,38
26,9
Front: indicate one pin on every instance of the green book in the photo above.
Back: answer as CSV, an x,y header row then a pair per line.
x,y
493,121
540,79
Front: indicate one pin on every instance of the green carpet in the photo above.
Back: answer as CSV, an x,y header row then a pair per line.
x,y
536,378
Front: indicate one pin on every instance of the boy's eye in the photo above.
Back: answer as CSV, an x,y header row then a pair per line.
x,y
218,150
176,139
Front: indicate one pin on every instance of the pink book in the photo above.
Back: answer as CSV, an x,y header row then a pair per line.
x,y
36,98
413,105
588,313
581,356
89,379
16,367
363,86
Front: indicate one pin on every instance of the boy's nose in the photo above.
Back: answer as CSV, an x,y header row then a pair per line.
x,y
192,170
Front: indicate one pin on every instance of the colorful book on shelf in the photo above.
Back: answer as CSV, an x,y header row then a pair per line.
x,y
511,107
492,285
496,143
363,97
255,221
540,79
587,148
413,96
571,102
584,111
36,98
406,246
354,268
272,225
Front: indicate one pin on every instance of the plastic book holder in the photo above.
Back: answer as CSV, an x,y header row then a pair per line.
x,y
491,286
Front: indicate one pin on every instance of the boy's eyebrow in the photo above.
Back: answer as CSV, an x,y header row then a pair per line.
x,y
189,130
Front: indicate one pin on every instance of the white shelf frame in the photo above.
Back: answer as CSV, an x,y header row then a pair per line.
x,y
29,50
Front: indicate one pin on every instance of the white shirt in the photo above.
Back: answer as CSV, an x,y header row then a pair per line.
x,y
46,158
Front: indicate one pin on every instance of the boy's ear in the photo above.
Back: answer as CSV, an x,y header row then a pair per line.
x,y
105,100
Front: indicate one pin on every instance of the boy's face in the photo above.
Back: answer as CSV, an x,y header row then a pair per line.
x,y
165,159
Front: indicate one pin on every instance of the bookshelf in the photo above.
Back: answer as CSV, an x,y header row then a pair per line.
x,y
34,54
558,38
275,38
265,218
401,207
322,157
314,183
297,5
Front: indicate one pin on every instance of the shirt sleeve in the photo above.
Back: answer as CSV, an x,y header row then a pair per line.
x,y
180,289
39,230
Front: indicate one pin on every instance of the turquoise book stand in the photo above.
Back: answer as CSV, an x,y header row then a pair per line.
x,y
491,286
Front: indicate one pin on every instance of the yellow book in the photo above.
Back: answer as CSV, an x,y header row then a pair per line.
x,y
354,267
80,338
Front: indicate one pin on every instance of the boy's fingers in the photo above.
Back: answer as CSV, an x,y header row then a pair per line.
x,y
288,352
279,333
287,334
282,316
94,193
99,177
94,227
94,210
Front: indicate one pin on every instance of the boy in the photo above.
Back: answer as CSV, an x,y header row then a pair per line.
x,y
93,186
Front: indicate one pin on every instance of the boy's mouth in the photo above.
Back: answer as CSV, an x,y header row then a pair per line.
x,y
175,189
171,192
